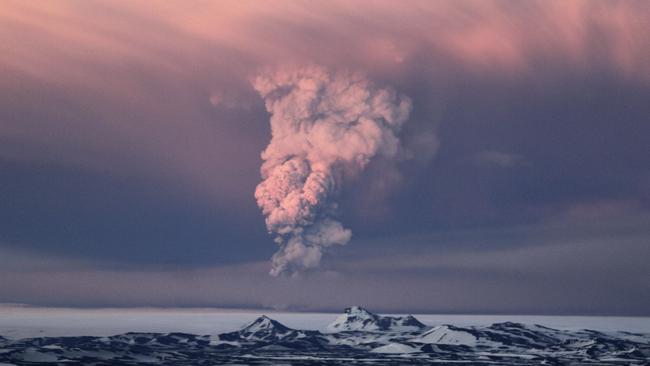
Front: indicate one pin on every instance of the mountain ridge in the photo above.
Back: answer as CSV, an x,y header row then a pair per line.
x,y
371,340
356,318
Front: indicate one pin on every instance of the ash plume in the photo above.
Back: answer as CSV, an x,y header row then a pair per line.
x,y
325,126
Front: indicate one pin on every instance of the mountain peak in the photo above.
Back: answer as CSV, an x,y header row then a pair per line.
x,y
357,310
266,329
265,324
356,318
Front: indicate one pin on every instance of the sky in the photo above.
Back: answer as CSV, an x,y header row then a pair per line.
x,y
517,182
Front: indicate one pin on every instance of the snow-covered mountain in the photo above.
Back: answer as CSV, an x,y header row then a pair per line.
x,y
357,318
360,338
264,328
271,334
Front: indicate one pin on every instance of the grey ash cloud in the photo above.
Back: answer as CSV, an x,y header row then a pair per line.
x,y
130,151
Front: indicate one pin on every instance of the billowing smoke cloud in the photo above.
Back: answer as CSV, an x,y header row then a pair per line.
x,y
325,125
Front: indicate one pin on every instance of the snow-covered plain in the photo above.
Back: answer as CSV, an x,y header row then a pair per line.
x,y
22,322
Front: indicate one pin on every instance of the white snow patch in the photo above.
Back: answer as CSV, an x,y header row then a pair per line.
x,y
52,346
442,334
395,348
215,341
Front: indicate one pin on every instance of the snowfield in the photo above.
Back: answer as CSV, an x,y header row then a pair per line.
x,y
24,322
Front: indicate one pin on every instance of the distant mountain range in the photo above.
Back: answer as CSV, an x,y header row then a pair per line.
x,y
356,337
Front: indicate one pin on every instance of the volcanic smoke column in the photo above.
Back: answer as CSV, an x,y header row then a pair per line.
x,y
325,126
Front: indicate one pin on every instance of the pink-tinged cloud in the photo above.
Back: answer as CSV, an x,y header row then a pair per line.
x,y
160,57
507,36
